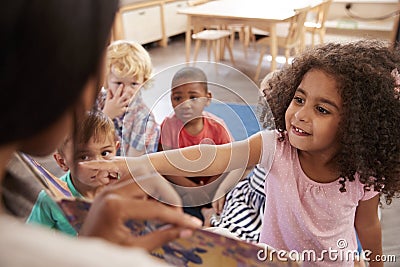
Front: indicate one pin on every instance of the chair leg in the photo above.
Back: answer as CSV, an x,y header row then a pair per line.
x,y
321,36
242,38
260,60
216,55
196,50
208,49
312,38
232,39
221,50
287,55
226,40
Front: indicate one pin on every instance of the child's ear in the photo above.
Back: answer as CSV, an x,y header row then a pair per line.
x,y
61,161
117,145
209,97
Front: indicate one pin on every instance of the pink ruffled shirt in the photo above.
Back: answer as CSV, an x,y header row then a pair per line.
x,y
301,214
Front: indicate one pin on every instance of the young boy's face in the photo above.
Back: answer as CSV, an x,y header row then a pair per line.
x,y
130,85
189,101
99,149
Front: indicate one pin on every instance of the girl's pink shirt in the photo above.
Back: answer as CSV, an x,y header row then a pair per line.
x,y
301,214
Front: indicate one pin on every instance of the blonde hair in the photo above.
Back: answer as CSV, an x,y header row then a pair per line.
x,y
128,59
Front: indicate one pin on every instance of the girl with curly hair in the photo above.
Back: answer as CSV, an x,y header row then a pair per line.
x,y
335,151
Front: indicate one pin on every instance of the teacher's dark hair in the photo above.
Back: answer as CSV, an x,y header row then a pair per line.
x,y
48,51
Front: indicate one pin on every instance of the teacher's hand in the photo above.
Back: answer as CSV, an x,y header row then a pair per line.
x,y
116,204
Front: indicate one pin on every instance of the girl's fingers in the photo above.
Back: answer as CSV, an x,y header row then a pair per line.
x,y
150,181
114,166
152,184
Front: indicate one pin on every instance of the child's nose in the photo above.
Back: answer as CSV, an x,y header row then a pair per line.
x,y
302,114
185,104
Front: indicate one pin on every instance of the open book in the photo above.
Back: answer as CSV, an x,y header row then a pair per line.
x,y
204,248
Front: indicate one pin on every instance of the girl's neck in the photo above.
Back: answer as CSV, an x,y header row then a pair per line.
x,y
195,126
318,168
6,153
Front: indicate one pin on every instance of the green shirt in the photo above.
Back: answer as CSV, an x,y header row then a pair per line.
x,y
46,212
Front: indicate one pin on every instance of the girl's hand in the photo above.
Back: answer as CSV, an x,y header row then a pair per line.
x,y
142,173
118,203
116,102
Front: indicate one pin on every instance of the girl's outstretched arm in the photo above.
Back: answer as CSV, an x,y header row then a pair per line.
x,y
368,229
207,160
201,160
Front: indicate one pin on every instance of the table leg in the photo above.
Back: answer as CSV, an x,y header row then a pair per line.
x,y
274,46
188,40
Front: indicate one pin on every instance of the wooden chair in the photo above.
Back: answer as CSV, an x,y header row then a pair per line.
x,y
215,36
243,31
213,39
317,26
292,40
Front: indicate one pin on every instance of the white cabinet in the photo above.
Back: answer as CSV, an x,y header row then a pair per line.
x,y
146,21
143,25
174,23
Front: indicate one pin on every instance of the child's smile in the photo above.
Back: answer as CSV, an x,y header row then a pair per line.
x,y
299,132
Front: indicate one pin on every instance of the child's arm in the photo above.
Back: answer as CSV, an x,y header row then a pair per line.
x,y
181,180
200,160
369,229
41,211
47,213
206,160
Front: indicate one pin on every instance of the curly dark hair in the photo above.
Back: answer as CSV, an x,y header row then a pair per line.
x,y
369,130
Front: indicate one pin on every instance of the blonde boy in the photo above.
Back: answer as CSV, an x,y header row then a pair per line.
x,y
128,67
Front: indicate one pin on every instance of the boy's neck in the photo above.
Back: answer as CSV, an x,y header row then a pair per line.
x,y
195,126
84,190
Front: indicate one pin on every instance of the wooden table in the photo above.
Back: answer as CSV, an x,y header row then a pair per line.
x,y
256,13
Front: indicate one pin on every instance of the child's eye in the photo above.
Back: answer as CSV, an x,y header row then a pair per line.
x,y
135,84
105,153
177,98
193,98
298,100
322,110
84,157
